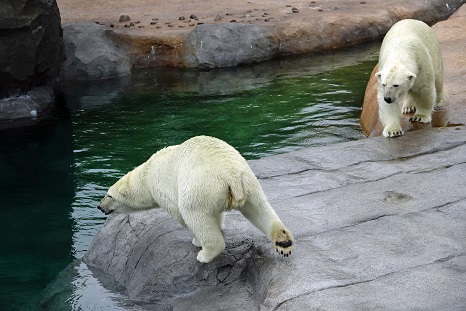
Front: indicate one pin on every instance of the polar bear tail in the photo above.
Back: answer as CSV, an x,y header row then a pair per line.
x,y
236,193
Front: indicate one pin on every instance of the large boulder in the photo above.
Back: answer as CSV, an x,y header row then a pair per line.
x,y
225,45
31,54
92,54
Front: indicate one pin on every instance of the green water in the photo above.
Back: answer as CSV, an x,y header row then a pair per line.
x,y
52,176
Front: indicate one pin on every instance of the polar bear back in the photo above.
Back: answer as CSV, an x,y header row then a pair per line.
x,y
412,42
205,165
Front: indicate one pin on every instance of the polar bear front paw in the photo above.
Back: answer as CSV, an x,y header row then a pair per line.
x,y
422,118
283,243
408,109
392,131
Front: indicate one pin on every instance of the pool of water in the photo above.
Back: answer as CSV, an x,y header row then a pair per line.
x,y
52,176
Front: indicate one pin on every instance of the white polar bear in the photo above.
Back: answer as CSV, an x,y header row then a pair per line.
x,y
196,182
410,67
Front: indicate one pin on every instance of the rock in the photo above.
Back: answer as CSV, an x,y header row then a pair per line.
x,y
223,45
31,54
92,53
124,18
366,224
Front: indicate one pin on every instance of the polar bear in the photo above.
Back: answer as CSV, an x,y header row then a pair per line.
x,y
195,182
410,67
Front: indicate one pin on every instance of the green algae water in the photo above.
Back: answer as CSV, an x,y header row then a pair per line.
x,y
53,176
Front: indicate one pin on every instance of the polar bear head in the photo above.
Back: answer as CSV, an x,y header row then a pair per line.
x,y
125,196
394,82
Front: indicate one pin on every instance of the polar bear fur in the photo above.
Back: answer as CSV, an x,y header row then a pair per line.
x,y
411,67
195,182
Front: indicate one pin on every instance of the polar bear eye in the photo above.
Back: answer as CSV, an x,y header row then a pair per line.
x,y
109,196
396,85
383,84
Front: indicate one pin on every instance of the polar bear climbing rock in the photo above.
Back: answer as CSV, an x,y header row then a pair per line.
x,y
411,67
196,182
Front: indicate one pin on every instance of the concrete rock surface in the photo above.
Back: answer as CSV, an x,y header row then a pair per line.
x,y
378,223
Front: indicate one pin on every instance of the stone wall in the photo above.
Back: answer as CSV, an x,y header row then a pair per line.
x,y
31,54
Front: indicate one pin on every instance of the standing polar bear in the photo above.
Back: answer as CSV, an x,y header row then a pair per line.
x,y
196,182
411,67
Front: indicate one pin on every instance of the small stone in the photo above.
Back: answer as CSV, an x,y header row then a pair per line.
x,y
288,5
124,18
169,25
266,13
112,25
131,24
180,26
336,8
141,26
153,23
192,16
217,18
295,10
363,2
266,20
200,23
127,25
233,21
181,18
191,25
137,22
155,19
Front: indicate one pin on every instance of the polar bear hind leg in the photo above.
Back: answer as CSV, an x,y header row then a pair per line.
x,y
205,227
266,220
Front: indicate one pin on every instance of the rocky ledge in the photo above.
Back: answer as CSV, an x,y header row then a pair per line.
x,y
209,34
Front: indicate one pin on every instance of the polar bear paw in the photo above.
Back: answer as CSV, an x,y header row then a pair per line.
x,y
392,131
422,118
408,109
283,243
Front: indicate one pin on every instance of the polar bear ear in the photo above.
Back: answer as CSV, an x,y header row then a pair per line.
x,y
411,76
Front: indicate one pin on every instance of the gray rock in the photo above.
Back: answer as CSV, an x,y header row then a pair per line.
x,y
31,54
229,44
91,54
379,225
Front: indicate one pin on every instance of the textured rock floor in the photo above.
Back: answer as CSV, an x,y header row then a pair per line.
x,y
379,225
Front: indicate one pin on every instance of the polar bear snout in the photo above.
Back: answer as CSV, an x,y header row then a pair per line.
x,y
103,210
388,100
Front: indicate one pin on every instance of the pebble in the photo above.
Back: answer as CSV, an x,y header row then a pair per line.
x,y
181,18
112,25
153,23
217,18
124,18
295,10
192,16
233,21
363,2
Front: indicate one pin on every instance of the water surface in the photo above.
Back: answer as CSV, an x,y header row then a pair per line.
x,y
53,176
